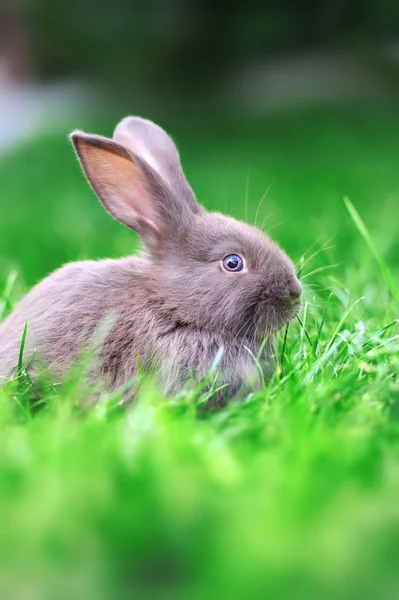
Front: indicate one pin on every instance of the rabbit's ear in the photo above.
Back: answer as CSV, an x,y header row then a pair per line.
x,y
129,189
151,143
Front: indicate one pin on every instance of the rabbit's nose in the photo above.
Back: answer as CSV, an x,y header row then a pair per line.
x,y
295,291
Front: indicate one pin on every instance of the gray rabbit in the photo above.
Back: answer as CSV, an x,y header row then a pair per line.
x,y
205,285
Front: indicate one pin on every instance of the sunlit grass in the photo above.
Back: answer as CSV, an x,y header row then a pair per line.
x,y
291,492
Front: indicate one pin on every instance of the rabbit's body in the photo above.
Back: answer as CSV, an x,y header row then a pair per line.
x,y
116,307
64,311
205,285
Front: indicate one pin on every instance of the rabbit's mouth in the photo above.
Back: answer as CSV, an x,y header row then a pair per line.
x,y
269,317
277,305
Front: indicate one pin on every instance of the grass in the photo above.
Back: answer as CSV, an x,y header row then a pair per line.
x,y
292,493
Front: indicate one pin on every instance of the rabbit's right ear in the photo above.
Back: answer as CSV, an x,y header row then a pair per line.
x,y
130,190
152,144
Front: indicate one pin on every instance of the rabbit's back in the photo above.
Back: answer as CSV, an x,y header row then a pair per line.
x,y
68,310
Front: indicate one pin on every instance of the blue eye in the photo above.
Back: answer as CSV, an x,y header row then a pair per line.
x,y
233,263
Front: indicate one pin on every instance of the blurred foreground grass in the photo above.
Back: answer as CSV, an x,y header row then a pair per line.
x,y
292,493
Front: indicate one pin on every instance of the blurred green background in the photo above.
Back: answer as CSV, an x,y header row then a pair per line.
x,y
279,110
296,99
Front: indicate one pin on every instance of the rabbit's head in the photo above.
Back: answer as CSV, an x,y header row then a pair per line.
x,y
207,270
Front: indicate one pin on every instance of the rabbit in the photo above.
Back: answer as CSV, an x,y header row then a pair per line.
x,y
204,284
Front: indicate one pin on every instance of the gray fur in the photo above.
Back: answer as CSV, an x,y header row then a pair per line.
x,y
171,308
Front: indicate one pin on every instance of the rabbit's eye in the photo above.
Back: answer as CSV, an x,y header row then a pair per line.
x,y
233,263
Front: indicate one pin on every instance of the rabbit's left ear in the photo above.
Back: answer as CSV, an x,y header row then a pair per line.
x,y
153,145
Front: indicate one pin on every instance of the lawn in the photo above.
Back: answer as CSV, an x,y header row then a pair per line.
x,y
292,493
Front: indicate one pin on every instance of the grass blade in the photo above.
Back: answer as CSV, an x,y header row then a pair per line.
x,y
364,232
283,352
21,350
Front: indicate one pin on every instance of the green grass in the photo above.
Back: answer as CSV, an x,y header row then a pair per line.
x,y
293,493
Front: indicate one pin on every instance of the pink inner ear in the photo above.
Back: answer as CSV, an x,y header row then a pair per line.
x,y
120,184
